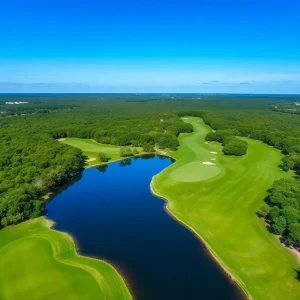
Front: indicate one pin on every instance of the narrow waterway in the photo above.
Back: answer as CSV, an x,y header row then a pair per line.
x,y
113,215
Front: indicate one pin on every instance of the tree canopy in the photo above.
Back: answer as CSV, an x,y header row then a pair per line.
x,y
33,163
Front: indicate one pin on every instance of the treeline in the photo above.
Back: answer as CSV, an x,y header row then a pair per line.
x,y
8,110
134,132
31,165
282,211
32,162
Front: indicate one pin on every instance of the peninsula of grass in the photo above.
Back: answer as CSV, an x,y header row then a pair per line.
x,y
37,262
219,204
91,150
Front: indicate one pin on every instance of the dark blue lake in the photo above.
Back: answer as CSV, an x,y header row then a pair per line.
x,y
113,215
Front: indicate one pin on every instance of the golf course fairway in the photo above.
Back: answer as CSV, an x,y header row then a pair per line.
x,y
91,149
217,200
219,205
37,262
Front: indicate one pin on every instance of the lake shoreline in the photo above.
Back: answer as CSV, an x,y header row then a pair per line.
x,y
51,224
215,257
124,158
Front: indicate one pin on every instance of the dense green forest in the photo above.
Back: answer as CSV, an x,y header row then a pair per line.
x,y
282,211
32,162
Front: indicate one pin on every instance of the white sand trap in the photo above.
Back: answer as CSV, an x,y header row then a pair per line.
x,y
208,163
91,159
60,140
212,159
213,152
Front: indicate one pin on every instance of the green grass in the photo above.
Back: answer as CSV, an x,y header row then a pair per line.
x,y
91,149
194,169
39,263
221,209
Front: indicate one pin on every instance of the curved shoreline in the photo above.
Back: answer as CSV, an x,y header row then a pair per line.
x,y
230,275
107,281
50,224
154,188
123,158
216,258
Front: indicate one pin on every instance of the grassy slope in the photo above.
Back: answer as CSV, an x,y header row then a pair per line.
x,y
39,263
221,210
91,149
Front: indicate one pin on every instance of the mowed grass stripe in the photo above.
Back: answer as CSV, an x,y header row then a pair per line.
x,y
222,211
39,263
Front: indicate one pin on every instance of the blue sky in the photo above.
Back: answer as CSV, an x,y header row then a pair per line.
x,y
200,46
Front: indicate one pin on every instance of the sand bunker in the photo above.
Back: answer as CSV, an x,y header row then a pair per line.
x,y
213,152
91,159
60,140
208,163
162,152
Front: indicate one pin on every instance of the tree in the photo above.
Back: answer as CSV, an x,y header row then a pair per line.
x,y
128,151
148,148
292,161
125,152
263,211
279,225
135,151
294,235
235,147
122,152
291,215
274,213
102,157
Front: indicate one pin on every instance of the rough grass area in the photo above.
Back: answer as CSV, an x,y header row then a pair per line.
x,y
222,208
91,149
39,263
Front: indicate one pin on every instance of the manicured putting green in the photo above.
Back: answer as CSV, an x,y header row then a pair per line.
x,y
194,171
39,263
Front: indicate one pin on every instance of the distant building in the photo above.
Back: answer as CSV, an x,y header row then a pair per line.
x,y
15,102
